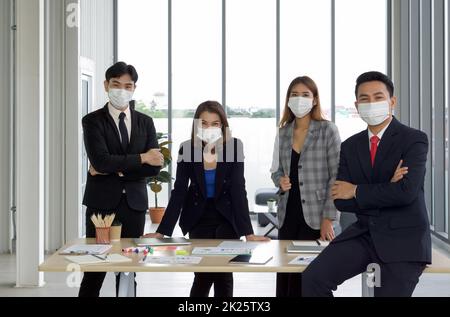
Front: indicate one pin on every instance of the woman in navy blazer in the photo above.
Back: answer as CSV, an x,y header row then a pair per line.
x,y
209,192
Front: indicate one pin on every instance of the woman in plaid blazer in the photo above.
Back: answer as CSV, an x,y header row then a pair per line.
x,y
305,165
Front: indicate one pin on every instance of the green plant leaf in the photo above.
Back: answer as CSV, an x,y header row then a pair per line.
x,y
156,188
164,144
164,177
166,153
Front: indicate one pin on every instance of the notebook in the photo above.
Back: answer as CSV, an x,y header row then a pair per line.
x,y
259,259
312,247
161,242
91,259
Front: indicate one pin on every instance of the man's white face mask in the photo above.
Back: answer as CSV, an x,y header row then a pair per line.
x,y
374,113
120,98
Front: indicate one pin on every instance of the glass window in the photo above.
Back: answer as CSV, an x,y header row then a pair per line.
x,y
251,85
150,57
447,101
197,61
361,46
306,46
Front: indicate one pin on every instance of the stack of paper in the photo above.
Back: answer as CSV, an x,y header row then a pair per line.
x,y
221,251
172,260
239,245
87,249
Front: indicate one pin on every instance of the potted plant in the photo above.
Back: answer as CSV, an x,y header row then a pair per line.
x,y
164,177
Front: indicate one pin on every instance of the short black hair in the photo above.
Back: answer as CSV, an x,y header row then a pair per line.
x,y
119,69
375,76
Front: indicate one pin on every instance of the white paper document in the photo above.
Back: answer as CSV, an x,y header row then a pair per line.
x,y
221,251
302,260
87,249
91,259
172,260
239,245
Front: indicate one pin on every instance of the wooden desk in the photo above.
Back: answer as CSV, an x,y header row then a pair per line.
x,y
279,263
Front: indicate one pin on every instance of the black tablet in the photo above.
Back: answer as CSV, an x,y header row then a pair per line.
x,y
251,259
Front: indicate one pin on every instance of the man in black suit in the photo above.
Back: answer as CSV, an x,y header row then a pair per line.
x,y
123,150
392,231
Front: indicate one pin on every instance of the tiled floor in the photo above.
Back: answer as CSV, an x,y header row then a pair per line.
x,y
178,284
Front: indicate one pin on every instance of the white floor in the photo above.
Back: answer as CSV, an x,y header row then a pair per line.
x,y
178,284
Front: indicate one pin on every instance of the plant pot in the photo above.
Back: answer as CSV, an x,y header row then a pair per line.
x,y
156,214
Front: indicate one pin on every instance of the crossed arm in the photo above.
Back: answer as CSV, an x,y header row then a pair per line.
x,y
400,191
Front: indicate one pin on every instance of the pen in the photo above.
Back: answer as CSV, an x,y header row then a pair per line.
x,y
99,257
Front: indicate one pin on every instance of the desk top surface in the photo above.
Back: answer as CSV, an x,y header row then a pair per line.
x,y
277,248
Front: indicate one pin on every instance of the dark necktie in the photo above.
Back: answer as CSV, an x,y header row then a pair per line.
x,y
123,131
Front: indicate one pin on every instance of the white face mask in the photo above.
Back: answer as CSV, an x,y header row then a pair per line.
x,y
374,113
210,135
120,98
300,106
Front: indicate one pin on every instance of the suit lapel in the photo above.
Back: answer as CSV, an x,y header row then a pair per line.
x,y
311,136
364,155
386,143
112,125
221,168
199,170
286,148
134,127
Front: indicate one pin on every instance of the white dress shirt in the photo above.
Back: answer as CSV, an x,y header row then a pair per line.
x,y
115,115
379,135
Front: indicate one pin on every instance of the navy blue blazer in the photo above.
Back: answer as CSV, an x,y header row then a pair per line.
x,y
394,214
189,196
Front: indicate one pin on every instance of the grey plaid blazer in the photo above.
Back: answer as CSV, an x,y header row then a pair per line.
x,y
317,170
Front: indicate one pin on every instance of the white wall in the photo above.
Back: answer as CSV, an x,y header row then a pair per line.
x,y
97,40
5,107
54,118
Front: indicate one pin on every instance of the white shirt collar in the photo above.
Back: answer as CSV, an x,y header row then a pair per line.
x,y
116,113
380,134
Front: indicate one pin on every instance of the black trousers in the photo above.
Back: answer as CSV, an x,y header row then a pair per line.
x,y
344,260
294,228
133,223
212,226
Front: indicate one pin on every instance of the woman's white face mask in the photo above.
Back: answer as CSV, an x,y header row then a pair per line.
x,y
374,113
209,135
300,106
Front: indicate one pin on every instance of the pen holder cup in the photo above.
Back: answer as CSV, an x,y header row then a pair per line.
x,y
116,233
102,235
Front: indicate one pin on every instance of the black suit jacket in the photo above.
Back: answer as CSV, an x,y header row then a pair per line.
x,y
105,152
394,213
189,194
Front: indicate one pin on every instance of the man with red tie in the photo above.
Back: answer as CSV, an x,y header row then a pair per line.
x,y
380,180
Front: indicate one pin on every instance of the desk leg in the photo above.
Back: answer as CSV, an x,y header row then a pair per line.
x,y
366,290
126,285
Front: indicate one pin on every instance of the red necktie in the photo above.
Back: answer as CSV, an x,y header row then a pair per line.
x,y
373,148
